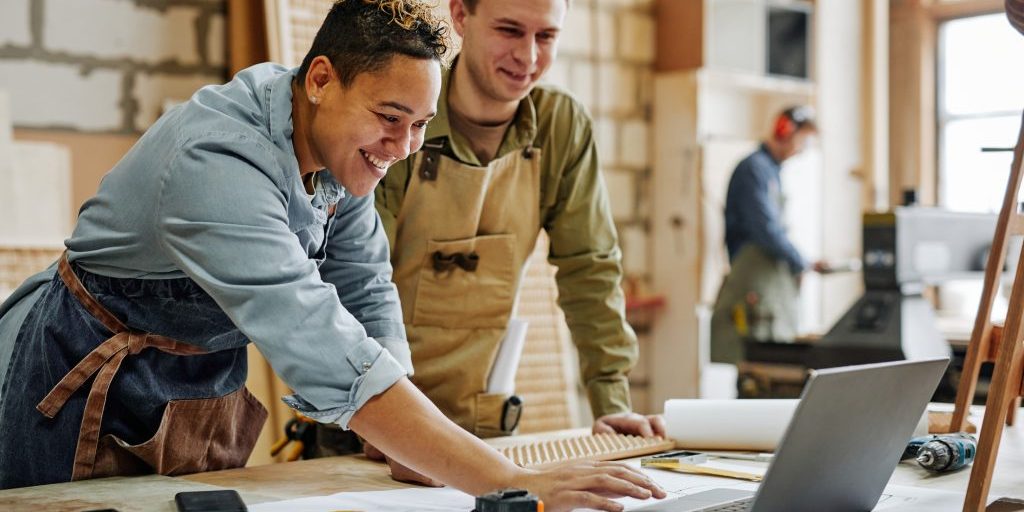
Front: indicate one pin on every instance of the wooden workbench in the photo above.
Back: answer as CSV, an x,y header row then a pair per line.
x,y
275,482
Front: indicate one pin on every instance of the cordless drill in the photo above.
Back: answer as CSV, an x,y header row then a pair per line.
x,y
943,452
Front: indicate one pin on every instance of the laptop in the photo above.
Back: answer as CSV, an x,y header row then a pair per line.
x,y
842,445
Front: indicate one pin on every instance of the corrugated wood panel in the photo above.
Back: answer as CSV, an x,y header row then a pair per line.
x,y
545,379
20,263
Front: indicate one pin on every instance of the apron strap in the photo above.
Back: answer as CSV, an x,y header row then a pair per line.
x,y
431,160
89,302
103,361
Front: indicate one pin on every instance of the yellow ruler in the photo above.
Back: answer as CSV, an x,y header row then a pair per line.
x,y
681,467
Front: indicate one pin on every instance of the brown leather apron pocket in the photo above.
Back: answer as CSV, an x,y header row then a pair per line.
x,y
197,435
468,283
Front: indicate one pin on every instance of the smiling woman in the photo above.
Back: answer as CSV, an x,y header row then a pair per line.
x,y
371,87
358,130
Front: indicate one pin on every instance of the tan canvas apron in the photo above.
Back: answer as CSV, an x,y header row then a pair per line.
x,y
758,300
194,435
463,236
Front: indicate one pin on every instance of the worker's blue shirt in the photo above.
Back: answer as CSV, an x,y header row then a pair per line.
x,y
753,213
212,192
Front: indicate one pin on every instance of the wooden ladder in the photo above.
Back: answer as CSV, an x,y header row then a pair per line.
x,y
1005,390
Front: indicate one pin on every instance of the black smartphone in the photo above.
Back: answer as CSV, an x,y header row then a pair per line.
x,y
210,501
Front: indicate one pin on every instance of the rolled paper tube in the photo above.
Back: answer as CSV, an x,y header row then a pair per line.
x,y
728,424
1015,14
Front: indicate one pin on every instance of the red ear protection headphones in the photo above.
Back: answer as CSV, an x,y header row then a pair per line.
x,y
791,120
784,126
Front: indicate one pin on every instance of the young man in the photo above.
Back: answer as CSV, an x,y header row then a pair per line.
x,y
245,215
763,283
504,159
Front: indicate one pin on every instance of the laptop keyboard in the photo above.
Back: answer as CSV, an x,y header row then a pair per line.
x,y
736,506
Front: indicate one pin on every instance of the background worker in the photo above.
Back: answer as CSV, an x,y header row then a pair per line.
x,y
504,159
759,298
245,214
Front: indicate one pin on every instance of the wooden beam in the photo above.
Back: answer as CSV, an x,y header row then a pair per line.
x,y
247,34
679,34
912,152
941,11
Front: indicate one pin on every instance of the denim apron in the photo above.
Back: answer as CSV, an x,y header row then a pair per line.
x,y
100,385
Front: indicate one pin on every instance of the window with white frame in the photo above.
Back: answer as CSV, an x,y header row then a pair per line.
x,y
980,101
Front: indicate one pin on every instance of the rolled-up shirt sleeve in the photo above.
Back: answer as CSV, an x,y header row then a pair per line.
x,y
223,220
359,267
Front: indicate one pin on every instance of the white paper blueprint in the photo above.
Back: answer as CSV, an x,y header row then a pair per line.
x,y
895,498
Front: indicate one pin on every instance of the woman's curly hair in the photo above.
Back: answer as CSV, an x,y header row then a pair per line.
x,y
360,36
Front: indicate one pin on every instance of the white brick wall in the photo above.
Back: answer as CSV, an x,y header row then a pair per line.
x,y
634,3
634,143
14,22
151,91
605,43
558,74
645,91
121,29
617,93
621,193
604,135
5,126
121,43
44,94
582,82
575,35
634,250
35,195
6,149
217,41
636,36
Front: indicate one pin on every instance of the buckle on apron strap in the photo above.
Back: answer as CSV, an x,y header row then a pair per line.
x,y
467,262
431,161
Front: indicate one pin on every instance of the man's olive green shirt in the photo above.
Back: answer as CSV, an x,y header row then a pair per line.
x,y
575,213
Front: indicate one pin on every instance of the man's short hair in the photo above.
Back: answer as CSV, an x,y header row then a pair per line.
x,y
471,5
360,36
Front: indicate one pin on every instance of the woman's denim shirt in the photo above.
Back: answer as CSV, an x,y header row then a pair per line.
x,y
212,192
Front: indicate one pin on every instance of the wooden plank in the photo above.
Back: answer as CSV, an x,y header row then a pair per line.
x,y
962,8
912,154
247,34
126,494
679,35
318,477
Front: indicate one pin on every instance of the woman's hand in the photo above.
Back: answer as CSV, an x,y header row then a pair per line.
x,y
587,485
399,420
